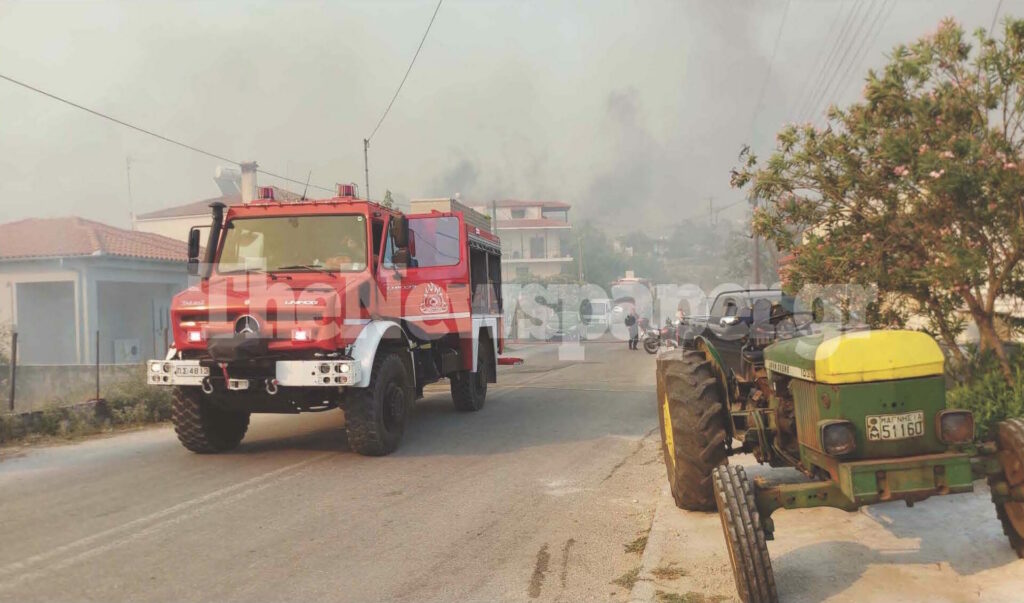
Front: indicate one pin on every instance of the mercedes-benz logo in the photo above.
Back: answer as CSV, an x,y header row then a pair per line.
x,y
247,325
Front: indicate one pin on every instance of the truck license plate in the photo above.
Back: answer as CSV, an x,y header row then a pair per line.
x,y
895,427
191,371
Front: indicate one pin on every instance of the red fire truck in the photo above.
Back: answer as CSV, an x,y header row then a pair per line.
x,y
313,305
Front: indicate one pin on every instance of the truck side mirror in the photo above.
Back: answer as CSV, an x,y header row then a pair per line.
x,y
400,257
193,251
400,231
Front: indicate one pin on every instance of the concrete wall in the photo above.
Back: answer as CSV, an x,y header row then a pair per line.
x,y
40,386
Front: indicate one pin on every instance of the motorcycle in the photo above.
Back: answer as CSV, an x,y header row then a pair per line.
x,y
652,339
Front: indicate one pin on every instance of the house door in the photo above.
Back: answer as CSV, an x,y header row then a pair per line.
x,y
46,323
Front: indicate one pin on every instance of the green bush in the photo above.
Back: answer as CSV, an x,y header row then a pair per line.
x,y
986,393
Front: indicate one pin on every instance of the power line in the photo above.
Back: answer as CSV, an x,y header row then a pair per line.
x,y
861,54
406,76
842,60
857,57
818,64
995,15
768,74
807,108
366,141
142,130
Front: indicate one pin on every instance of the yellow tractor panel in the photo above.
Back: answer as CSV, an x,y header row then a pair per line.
x,y
863,356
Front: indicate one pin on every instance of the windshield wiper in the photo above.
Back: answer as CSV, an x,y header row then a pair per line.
x,y
312,267
248,271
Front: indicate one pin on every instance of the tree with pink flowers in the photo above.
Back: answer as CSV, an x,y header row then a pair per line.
x,y
917,189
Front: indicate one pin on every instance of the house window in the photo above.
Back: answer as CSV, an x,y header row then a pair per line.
x,y
518,214
537,247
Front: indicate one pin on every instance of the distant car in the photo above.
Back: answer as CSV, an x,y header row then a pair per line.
x,y
562,325
596,312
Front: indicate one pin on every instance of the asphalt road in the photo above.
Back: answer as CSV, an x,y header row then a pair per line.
x,y
533,498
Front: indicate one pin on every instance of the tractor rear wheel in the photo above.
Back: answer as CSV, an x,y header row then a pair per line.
x,y
744,536
1010,511
201,426
692,416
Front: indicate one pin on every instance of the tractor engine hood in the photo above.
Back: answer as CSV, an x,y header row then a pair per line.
x,y
856,357
306,311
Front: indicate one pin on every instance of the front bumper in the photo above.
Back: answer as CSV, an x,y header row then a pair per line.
x,y
286,373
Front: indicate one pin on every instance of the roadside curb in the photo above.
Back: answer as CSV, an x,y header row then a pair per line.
x,y
645,591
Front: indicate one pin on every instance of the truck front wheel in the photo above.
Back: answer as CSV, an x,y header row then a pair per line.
x,y
204,428
375,415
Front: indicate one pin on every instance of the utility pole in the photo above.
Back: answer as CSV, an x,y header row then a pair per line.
x,y
711,211
131,201
366,165
756,260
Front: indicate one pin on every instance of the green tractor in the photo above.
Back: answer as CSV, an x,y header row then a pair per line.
x,y
862,414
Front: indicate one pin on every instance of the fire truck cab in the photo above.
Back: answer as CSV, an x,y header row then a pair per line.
x,y
313,305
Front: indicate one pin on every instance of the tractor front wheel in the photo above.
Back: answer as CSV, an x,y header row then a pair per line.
x,y
692,416
744,536
1009,509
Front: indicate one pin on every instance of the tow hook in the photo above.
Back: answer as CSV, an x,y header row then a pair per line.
x,y
272,386
207,386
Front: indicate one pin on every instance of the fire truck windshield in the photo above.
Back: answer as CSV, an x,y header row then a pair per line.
x,y
294,244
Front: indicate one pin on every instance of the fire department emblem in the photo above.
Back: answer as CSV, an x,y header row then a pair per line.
x,y
434,300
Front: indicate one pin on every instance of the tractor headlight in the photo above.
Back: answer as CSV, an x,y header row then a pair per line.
x,y
837,437
956,426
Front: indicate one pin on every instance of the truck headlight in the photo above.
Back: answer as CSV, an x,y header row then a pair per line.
x,y
955,426
837,437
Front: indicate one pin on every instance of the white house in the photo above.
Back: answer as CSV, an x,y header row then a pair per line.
x,y
536,237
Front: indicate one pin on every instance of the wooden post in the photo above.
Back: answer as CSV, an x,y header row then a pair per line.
x,y
97,365
14,365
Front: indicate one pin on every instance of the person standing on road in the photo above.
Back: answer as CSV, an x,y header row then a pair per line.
x,y
634,329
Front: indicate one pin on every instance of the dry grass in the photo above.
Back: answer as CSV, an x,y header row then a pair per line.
x,y
629,579
637,546
668,572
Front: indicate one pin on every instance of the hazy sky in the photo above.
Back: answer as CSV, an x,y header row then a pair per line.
x,y
631,111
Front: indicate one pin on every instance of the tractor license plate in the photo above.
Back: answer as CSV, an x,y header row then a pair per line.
x,y
895,427
191,371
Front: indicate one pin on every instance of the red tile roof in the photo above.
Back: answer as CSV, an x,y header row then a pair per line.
x,y
202,208
532,223
68,237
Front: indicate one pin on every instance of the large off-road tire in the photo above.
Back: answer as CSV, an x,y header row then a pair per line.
x,y
692,415
201,426
1010,439
375,416
744,536
469,389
